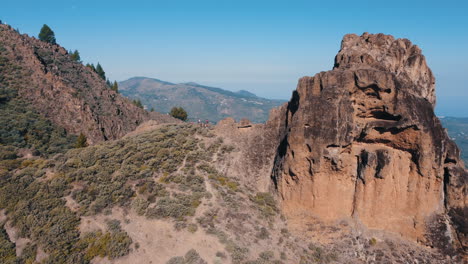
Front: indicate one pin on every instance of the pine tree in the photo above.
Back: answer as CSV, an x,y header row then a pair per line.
x,y
81,141
91,66
47,35
138,103
100,71
152,109
75,56
115,87
179,113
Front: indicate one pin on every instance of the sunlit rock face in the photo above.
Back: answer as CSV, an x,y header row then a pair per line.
x,y
362,142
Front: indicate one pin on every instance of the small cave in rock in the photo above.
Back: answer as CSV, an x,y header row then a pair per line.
x,y
378,114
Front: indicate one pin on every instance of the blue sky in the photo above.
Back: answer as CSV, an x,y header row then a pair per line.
x,y
260,46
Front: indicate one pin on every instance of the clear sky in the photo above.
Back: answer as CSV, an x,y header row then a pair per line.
x,y
260,46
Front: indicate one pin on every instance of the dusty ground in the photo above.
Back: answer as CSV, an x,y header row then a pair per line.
x,y
157,239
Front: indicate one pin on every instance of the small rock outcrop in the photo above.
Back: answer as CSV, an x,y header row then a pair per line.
x,y
66,92
362,142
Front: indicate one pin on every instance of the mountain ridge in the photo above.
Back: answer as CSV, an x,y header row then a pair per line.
x,y
201,101
65,91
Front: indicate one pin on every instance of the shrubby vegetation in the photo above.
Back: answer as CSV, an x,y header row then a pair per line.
x,y
20,125
113,244
138,103
141,172
191,257
179,113
7,248
75,55
160,174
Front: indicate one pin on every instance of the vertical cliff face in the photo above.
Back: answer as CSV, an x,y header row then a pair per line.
x,y
64,91
361,141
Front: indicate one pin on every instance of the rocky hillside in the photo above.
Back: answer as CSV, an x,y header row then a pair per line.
x,y
63,91
168,194
457,128
201,102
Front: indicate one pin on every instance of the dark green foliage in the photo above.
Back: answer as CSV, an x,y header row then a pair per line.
x,y
115,87
100,71
81,141
91,66
113,225
38,211
191,257
263,233
8,153
179,113
138,103
238,254
112,244
317,254
75,56
7,248
47,34
178,208
22,127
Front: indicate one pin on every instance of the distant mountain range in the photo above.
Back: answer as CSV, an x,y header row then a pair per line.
x,y
457,128
201,102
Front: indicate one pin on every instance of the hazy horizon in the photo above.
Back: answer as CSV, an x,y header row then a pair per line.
x,y
263,47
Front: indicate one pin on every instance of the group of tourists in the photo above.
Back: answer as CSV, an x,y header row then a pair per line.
x,y
203,124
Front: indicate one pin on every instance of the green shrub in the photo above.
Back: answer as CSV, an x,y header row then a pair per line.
x,y
263,233
192,228
191,257
266,203
179,113
110,244
7,248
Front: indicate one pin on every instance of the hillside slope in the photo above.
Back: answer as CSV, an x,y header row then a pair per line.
x,y
201,102
66,92
165,195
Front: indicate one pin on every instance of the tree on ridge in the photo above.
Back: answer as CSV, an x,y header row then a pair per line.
x,y
179,113
100,71
47,35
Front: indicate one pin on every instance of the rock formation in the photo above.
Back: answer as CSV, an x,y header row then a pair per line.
x,y
66,92
362,142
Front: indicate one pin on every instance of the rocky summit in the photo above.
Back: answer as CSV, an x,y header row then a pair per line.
x,y
362,142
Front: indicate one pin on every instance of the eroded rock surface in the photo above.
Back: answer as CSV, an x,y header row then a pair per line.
x,y
362,142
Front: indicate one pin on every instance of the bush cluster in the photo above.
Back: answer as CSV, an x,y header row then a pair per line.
x,y
191,257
